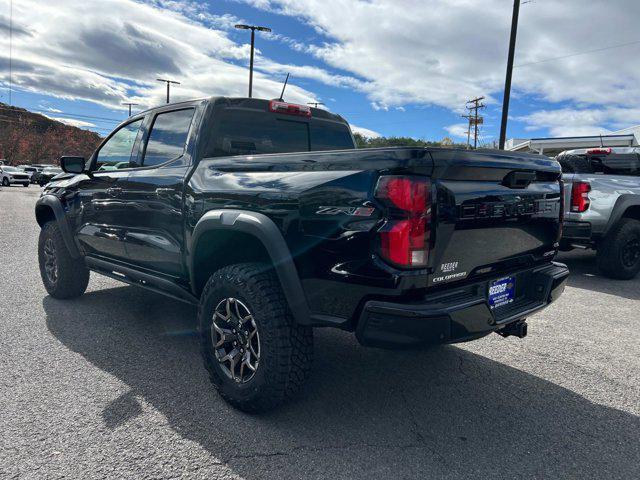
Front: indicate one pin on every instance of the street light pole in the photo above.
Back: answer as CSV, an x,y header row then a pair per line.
x,y
253,41
507,82
253,29
168,82
130,105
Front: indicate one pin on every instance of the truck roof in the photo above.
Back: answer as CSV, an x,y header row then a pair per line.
x,y
245,102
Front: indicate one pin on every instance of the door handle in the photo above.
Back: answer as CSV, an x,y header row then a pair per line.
x,y
114,191
165,192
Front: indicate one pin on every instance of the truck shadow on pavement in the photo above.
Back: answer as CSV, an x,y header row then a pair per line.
x,y
585,275
366,413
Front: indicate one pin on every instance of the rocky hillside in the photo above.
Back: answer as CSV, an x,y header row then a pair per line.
x,y
27,137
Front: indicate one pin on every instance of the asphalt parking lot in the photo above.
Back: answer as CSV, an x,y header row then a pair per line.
x,y
111,386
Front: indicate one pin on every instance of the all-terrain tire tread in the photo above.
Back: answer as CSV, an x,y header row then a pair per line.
x,y
292,343
73,274
608,257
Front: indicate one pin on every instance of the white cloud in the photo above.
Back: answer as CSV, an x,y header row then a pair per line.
x,y
379,106
458,130
109,59
425,51
585,121
397,52
365,132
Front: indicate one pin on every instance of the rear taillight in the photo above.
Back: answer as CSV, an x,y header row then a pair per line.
x,y
580,197
405,237
276,106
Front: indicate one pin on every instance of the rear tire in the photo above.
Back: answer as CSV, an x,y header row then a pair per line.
x,y
285,349
619,254
62,275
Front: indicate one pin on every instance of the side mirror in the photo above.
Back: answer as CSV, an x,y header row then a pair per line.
x,y
72,164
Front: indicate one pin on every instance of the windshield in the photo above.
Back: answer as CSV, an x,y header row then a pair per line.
x,y
52,170
246,132
10,169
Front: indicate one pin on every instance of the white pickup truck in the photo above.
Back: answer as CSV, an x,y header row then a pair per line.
x,y
602,206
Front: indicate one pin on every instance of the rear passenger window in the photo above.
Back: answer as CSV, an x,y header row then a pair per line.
x,y
330,136
168,137
248,133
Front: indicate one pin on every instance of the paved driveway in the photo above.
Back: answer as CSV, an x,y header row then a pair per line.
x,y
111,386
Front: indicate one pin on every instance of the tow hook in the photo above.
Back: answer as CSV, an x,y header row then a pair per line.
x,y
517,329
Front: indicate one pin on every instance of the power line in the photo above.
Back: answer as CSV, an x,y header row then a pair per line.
x,y
469,118
66,114
86,117
610,47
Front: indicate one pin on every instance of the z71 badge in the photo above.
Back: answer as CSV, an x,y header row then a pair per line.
x,y
351,211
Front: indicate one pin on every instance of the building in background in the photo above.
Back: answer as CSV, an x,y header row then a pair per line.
x,y
628,137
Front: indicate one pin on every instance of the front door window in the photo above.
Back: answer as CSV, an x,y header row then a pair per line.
x,y
115,154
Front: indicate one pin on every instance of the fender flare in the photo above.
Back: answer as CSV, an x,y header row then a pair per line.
x,y
622,204
54,203
266,232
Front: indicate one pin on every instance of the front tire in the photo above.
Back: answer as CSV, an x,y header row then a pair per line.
x,y
5,182
619,254
62,275
244,317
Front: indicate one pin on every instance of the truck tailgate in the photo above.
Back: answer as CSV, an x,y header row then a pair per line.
x,y
492,211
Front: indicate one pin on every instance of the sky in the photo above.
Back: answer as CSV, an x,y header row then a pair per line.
x,y
390,67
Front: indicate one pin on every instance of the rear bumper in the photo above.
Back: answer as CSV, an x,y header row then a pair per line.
x,y
459,315
576,231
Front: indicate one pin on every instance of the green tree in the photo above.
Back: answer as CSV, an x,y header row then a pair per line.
x,y
367,142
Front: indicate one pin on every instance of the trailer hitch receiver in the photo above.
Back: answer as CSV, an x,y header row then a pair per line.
x,y
517,329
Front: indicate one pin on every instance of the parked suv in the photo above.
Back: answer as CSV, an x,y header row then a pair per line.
x,y
602,206
12,175
265,215
32,171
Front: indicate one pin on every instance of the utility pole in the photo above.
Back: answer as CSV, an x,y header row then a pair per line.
x,y
315,104
168,82
10,50
130,105
507,81
253,29
474,118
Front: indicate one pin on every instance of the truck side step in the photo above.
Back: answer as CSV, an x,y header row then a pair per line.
x,y
140,279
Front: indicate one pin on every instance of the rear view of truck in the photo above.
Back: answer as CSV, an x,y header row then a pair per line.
x,y
602,207
472,242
